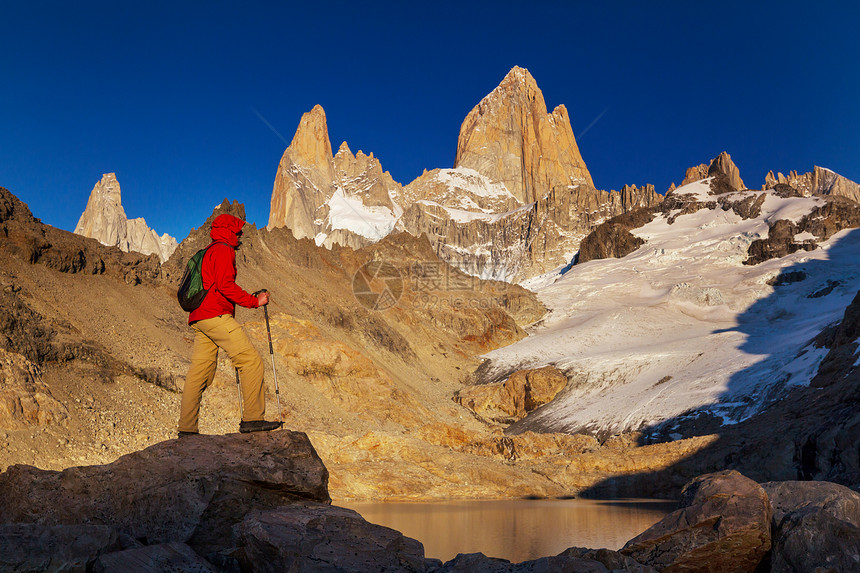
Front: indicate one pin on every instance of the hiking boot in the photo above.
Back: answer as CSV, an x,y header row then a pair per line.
x,y
183,434
259,426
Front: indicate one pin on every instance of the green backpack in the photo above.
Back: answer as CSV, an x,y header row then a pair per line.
x,y
191,292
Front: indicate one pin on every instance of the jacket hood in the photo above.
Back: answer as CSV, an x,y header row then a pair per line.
x,y
226,228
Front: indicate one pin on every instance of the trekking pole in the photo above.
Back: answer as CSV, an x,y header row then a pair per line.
x,y
239,391
272,354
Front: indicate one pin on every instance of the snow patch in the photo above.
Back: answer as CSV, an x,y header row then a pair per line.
x,y
470,181
464,216
351,214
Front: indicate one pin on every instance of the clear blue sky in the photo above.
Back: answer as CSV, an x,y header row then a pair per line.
x,y
164,94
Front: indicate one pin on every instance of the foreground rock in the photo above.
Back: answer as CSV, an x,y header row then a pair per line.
x,y
313,537
723,524
816,527
191,490
31,547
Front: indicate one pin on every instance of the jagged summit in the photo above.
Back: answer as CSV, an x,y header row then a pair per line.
x,y
510,138
819,181
721,164
311,145
515,205
104,219
334,199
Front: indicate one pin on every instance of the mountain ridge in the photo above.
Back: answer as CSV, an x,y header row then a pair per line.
x,y
516,203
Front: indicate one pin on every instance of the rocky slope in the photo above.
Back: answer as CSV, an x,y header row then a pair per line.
x,y
97,350
104,219
516,203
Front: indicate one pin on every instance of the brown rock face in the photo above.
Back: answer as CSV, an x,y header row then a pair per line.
x,y
613,238
27,239
816,526
342,199
522,392
696,173
723,524
510,138
305,177
819,181
520,198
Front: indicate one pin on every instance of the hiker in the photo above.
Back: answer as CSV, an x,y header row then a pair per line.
x,y
215,327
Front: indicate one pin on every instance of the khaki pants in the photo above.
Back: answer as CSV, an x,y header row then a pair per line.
x,y
210,334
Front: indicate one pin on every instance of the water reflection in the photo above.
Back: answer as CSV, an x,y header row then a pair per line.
x,y
516,530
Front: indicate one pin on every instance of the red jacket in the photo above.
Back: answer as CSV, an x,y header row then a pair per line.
x,y
219,272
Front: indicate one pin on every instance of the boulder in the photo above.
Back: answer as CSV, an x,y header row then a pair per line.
x,y
816,526
25,399
189,490
522,392
67,548
317,538
723,524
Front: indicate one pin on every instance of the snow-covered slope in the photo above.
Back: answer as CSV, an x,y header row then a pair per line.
x,y
681,327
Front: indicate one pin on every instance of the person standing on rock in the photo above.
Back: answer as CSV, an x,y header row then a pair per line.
x,y
215,327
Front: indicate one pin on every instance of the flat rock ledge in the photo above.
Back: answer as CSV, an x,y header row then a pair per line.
x,y
259,503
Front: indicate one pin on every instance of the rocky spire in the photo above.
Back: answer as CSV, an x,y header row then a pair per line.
x,y
346,199
721,164
510,138
305,176
104,219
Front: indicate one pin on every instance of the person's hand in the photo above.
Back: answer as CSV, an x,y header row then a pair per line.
x,y
263,299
